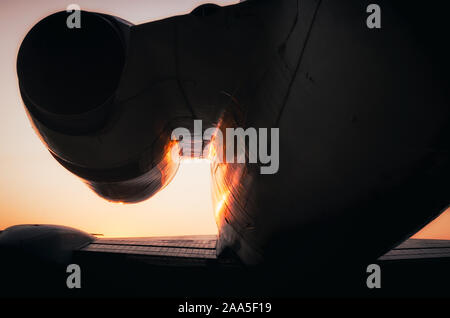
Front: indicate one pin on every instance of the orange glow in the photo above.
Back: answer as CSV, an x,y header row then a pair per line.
x,y
437,229
220,205
169,164
212,151
223,185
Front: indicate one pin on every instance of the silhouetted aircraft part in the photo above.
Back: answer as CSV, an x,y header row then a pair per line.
x,y
176,266
419,249
68,78
45,243
363,117
175,250
168,251
56,243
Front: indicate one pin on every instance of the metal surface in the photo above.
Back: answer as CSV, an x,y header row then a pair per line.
x,y
363,117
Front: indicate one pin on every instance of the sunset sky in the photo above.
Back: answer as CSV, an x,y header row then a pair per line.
x,y
34,188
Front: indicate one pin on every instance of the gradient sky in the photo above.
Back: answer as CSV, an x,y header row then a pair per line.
x,y
34,188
